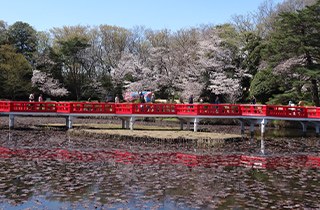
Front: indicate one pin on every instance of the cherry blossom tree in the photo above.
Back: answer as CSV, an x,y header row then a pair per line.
x,y
130,73
170,65
48,85
179,66
214,58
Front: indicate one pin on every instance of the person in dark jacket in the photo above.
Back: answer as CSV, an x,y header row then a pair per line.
x,y
142,99
217,101
253,100
191,99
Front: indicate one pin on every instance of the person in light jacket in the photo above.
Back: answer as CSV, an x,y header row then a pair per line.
x,y
40,99
117,99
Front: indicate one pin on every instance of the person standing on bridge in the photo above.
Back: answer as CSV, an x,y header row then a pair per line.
x,y
301,103
40,99
253,100
142,100
117,99
217,101
191,99
153,98
31,97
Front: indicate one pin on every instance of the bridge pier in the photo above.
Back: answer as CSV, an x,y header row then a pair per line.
x,y
263,122
305,124
11,120
132,119
242,127
195,121
125,122
195,124
304,128
69,120
252,129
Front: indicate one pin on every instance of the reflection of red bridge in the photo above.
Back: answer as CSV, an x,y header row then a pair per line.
x,y
251,161
188,113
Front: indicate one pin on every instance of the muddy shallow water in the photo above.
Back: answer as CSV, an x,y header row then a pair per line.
x,y
44,168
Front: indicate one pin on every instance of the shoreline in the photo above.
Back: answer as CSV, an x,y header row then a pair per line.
x,y
164,136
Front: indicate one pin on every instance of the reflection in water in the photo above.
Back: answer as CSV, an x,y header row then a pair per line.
x,y
262,146
216,160
51,170
10,136
115,179
287,133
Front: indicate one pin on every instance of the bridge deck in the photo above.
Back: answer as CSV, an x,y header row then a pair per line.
x,y
185,112
149,109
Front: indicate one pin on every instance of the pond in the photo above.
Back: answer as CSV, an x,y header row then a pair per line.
x,y
47,169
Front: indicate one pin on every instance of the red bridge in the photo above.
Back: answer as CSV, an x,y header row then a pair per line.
x,y
186,113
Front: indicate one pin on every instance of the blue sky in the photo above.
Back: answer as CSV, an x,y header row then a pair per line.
x,y
155,14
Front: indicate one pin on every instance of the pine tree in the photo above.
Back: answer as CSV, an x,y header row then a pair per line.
x,y
294,49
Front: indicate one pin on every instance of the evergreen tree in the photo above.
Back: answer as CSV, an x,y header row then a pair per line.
x,y
264,85
15,74
294,49
72,55
23,37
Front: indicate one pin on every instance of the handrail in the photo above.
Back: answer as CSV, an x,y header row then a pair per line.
x,y
161,109
286,111
253,110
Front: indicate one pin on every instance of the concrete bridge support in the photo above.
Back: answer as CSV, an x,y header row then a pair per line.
x,y
252,129
305,124
304,128
69,121
242,126
195,122
125,122
132,120
128,122
11,120
263,122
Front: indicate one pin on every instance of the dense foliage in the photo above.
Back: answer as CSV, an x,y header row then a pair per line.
x,y
272,53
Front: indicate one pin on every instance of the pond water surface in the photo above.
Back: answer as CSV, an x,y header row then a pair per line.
x,y
47,169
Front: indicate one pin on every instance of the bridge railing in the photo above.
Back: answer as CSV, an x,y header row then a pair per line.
x,y
187,109
168,109
63,107
218,109
313,112
75,107
253,110
123,108
161,109
4,106
146,108
286,111
23,106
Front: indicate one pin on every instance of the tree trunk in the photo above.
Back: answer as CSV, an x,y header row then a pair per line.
x,y
315,94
